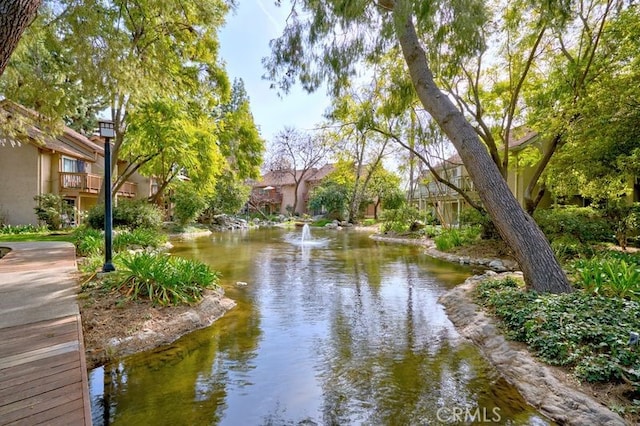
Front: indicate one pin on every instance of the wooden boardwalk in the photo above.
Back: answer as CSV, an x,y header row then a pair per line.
x,y
43,375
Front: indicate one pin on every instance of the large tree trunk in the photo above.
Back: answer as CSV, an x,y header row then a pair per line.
x,y
15,17
532,251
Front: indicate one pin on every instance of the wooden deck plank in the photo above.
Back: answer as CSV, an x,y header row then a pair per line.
x,y
74,417
36,387
35,327
34,374
38,403
25,345
39,354
47,366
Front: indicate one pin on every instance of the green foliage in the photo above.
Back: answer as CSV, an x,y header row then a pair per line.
x,y
582,223
229,196
331,196
321,222
163,279
624,219
588,334
53,211
473,217
88,241
23,229
139,237
567,247
129,214
611,274
189,203
454,237
399,220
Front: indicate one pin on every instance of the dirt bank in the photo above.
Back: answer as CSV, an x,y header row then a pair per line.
x,y
113,326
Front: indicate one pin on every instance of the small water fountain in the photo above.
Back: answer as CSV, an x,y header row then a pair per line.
x,y
306,233
305,239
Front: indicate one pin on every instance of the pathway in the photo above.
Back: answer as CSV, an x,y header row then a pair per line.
x,y
43,376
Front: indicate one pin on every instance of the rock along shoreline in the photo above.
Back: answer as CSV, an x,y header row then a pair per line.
x,y
540,385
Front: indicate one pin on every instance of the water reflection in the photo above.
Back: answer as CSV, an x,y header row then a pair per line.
x,y
347,332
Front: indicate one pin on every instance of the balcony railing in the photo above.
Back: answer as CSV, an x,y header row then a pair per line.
x,y
437,189
87,182
260,197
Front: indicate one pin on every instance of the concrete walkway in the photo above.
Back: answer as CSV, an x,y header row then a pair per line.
x,y
43,376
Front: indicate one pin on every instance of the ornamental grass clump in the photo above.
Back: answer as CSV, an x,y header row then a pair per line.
x,y
162,279
589,334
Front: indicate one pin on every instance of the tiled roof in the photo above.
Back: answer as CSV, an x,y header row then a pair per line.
x,y
285,177
67,141
514,145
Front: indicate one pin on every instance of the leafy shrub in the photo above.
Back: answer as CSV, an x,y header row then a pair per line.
x,y
163,279
567,247
22,229
188,203
588,334
368,222
625,219
612,275
399,220
454,237
129,214
321,222
473,217
330,197
584,224
138,237
53,211
88,241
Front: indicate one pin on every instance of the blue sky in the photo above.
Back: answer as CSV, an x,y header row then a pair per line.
x,y
244,42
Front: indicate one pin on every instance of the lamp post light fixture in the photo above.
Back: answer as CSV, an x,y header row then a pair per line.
x,y
107,132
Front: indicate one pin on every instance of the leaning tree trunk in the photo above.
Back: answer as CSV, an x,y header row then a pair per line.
x,y
532,251
15,17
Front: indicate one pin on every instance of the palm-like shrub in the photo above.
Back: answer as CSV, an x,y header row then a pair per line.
x,y
163,279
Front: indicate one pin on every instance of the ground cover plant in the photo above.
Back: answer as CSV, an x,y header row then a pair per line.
x,y
586,333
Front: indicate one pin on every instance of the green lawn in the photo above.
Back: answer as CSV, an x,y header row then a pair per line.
x,y
57,236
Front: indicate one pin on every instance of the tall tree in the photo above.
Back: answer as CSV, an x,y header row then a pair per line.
x,y
576,62
313,51
296,153
128,53
15,17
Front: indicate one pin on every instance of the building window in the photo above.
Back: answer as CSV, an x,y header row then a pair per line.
x,y
71,165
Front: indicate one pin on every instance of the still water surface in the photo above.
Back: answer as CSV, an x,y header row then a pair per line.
x,y
340,330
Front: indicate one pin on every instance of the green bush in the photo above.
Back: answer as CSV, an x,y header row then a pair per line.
x,y
23,229
567,247
88,241
188,203
399,220
129,214
163,279
54,211
584,224
472,217
454,237
612,275
138,237
588,334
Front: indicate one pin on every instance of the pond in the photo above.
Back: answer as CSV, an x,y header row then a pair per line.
x,y
335,330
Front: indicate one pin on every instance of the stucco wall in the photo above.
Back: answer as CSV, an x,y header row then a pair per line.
x,y
19,183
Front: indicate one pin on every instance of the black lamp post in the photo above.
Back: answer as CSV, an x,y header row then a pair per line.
x,y
107,131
